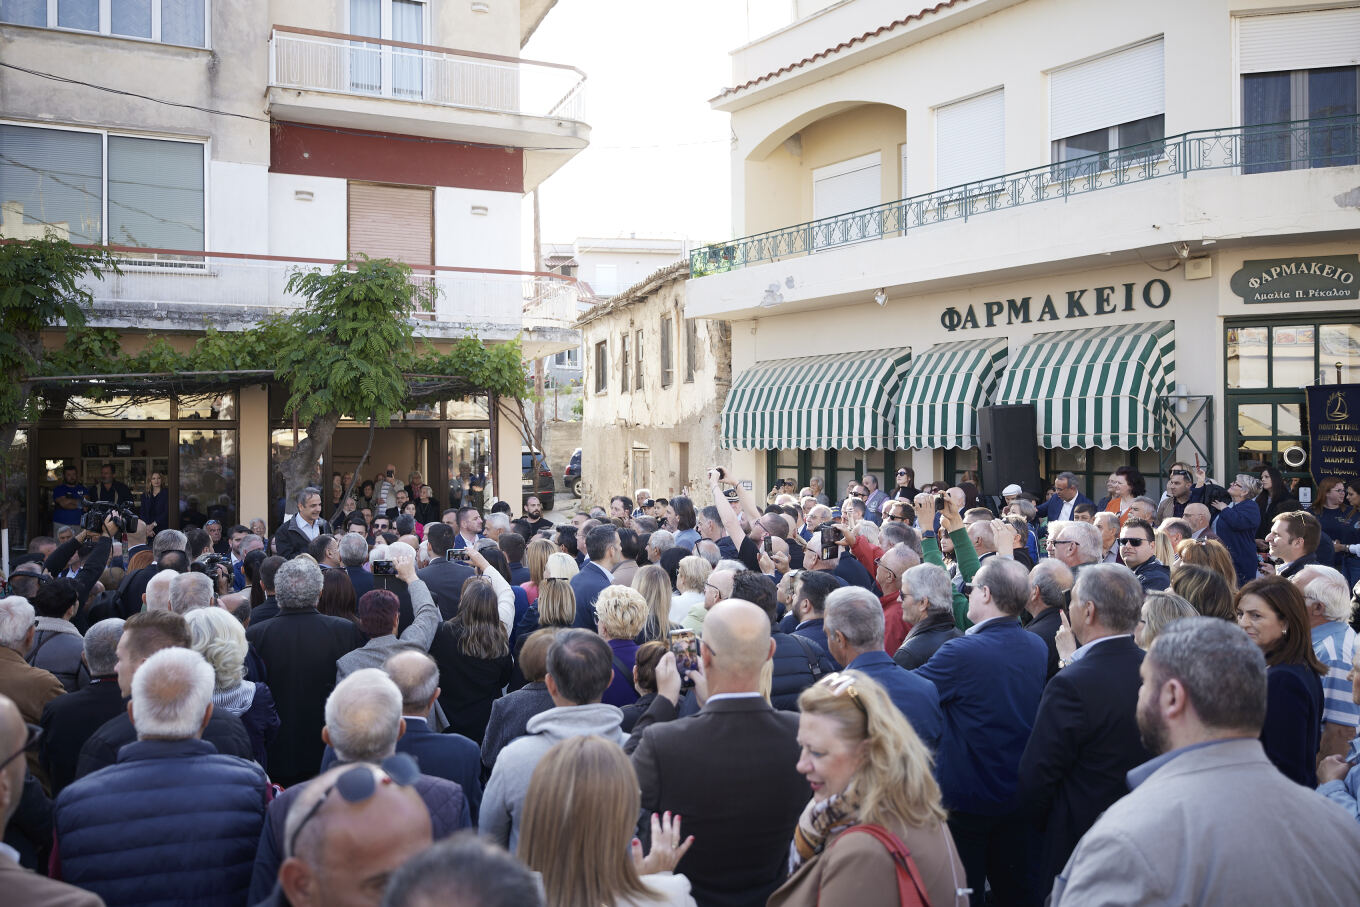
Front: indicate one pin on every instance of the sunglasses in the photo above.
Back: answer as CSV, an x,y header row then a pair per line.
x,y
878,562
839,683
1133,543
34,735
901,472
858,494
357,784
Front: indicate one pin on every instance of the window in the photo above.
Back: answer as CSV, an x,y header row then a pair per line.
x,y
625,362
393,20
1273,100
59,180
568,358
165,21
606,281
637,361
970,140
392,222
667,353
1114,101
842,188
693,356
601,367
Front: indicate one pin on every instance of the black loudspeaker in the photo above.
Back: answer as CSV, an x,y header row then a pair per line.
x,y
1008,448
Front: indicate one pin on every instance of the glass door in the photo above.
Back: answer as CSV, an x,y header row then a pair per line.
x,y
1261,428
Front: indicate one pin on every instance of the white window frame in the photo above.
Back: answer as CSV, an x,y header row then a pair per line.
x,y
104,166
106,24
569,358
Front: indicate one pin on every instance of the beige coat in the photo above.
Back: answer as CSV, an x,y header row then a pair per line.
x,y
20,886
856,870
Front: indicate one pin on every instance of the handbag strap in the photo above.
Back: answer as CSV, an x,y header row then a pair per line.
x,y
908,876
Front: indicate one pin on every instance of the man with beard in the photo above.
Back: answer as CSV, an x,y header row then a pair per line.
x,y
533,519
1187,827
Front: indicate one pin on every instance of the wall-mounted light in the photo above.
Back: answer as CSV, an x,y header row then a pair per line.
x,y
881,296
480,210
302,195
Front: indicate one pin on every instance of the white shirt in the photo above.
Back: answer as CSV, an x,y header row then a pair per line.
x,y
310,530
1066,512
719,696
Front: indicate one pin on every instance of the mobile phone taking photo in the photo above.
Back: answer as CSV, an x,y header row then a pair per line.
x,y
685,647
384,568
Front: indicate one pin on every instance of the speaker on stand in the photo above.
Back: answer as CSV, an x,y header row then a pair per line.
x,y
1008,448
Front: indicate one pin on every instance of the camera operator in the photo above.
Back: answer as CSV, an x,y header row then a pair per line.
x,y
217,567
71,595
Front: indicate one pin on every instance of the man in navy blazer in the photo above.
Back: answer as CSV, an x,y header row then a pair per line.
x,y
444,578
605,553
1065,499
451,756
354,555
1086,737
990,680
854,635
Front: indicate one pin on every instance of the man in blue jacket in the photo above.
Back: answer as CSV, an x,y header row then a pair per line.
x,y
605,553
854,634
990,681
171,801
1066,497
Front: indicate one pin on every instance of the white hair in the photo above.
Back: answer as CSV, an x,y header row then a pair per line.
x,y
379,552
498,521
158,590
399,549
1090,544
171,692
661,541
363,716
190,591
16,619
353,549
221,640
1328,588
1104,519
560,565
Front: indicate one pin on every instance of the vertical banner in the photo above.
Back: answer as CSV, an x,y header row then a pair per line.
x,y
1334,430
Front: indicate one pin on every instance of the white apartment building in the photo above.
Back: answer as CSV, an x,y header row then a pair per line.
x,y
220,145
1142,218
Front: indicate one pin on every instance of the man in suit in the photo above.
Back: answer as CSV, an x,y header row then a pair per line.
x,y
513,546
729,770
854,632
22,886
299,530
807,617
444,577
990,680
1085,737
353,557
299,649
1179,833
164,547
68,721
1197,515
1062,505
605,553
450,756
469,523
1049,583
1293,540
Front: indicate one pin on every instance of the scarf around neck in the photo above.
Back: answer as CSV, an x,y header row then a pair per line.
x,y
820,822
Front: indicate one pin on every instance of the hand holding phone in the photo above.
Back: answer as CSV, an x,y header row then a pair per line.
x,y
456,555
685,649
384,568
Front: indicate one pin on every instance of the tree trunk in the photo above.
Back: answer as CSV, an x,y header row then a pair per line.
x,y
297,471
31,343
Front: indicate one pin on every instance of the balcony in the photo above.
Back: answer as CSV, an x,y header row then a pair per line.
x,y
167,290
373,84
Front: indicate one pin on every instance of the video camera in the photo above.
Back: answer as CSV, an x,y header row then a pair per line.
x,y
98,512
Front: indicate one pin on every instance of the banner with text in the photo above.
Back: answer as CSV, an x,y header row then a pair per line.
x,y
1334,430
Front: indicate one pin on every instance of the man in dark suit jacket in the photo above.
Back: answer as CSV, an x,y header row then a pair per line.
x,y
1065,493
729,770
444,578
68,721
1086,737
299,649
1049,583
605,553
298,531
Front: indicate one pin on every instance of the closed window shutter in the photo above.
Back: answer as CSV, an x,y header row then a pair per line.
x,y
394,222
155,193
1305,40
847,186
970,140
1121,87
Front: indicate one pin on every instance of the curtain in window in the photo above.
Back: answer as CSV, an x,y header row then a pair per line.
x,y
51,179
407,25
365,60
1265,101
155,193
182,23
1331,93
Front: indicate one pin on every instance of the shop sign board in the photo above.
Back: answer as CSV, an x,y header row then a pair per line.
x,y
1305,278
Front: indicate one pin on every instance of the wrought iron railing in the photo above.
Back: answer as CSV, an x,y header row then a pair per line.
x,y
1329,142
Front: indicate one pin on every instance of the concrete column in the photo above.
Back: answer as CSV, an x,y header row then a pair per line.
x,y
509,480
253,447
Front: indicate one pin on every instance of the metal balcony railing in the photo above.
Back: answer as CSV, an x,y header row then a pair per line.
x,y
374,67
223,282
1329,142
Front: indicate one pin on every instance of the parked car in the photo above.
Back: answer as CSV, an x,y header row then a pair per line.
x,y
538,478
571,476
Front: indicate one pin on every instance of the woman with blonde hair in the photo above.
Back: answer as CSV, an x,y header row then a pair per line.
x,y
536,557
1160,609
1163,549
219,637
556,599
1211,554
690,578
587,783
1205,589
874,832
655,586
621,612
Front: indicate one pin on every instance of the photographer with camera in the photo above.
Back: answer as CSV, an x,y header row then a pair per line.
x,y
722,524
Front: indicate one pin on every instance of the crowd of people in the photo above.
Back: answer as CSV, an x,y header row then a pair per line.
x,y
905,696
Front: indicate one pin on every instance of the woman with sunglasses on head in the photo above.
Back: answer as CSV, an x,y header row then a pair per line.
x,y
1274,615
1236,526
1273,499
874,800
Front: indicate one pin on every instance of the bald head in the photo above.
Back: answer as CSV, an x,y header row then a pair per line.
x,y
896,561
417,677
13,734
1197,515
347,849
736,644
718,587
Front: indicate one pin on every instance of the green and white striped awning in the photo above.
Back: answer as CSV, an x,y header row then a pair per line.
x,y
938,406
840,401
1096,387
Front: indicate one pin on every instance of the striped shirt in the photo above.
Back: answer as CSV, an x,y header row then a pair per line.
x,y
1334,644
